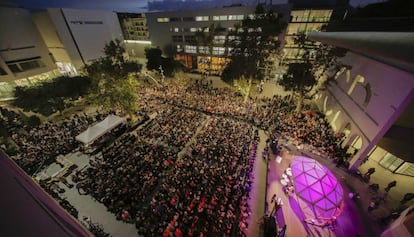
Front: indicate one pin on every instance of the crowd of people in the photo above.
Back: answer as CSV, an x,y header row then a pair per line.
x,y
187,171
37,147
126,174
207,190
173,127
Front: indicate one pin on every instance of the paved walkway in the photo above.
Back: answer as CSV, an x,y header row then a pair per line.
x,y
258,192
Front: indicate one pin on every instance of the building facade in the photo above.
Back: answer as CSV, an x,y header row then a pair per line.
x,y
303,21
77,37
372,101
24,57
174,33
135,29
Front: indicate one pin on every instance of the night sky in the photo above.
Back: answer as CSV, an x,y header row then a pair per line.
x,y
120,5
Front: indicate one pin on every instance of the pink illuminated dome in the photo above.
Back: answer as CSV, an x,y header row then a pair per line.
x,y
318,192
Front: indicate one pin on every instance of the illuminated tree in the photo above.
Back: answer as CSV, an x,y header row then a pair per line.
x,y
252,42
113,82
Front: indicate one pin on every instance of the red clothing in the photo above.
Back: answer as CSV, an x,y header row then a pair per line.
x,y
178,233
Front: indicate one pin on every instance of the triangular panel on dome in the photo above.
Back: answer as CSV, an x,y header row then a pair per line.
x,y
317,189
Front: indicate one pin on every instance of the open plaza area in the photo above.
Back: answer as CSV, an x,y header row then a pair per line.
x,y
202,167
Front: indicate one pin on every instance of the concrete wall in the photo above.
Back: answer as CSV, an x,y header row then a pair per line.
x,y
84,33
19,39
50,36
391,91
92,30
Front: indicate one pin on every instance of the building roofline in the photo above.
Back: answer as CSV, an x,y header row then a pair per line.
x,y
392,48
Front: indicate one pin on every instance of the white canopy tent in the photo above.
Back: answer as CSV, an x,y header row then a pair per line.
x,y
99,129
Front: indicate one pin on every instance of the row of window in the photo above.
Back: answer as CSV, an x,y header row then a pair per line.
x,y
203,18
218,39
202,49
86,22
17,67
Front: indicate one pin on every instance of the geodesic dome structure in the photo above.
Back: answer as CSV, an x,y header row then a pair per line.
x,y
318,192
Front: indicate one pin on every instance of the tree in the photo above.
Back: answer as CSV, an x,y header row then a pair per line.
x,y
50,96
299,77
113,83
300,80
316,59
252,43
155,60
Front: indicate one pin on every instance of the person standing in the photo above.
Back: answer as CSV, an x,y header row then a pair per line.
x,y
407,197
390,185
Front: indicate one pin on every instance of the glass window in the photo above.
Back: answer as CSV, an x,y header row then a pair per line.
x,y
175,19
30,65
176,29
163,19
14,68
177,38
188,18
201,18
218,50
203,49
407,169
179,48
235,17
2,71
390,162
223,18
216,18
190,49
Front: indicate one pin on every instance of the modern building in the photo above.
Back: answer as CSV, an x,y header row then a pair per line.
x,y
302,21
77,37
174,33
135,29
310,16
371,101
24,57
50,43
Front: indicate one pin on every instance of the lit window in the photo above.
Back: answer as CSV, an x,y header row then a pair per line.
x,y
179,48
216,18
190,49
218,50
235,17
223,18
193,29
163,19
203,49
176,29
201,18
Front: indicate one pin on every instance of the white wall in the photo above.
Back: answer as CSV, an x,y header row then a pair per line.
x,y
19,39
392,90
91,38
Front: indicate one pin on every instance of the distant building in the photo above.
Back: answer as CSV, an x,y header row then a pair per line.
x,y
372,102
303,21
24,57
174,33
77,37
310,16
135,29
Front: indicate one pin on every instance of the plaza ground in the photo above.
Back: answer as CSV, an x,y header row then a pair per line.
x,y
354,221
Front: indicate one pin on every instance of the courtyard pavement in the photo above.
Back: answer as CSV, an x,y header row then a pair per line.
x,y
354,221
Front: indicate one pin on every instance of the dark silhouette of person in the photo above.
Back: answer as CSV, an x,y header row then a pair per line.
x,y
407,197
390,185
